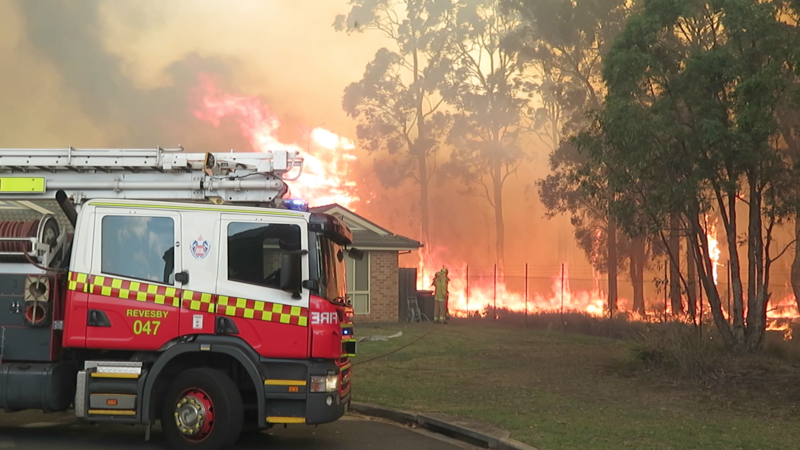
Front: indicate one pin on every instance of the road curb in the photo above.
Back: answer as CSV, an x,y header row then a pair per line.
x,y
462,429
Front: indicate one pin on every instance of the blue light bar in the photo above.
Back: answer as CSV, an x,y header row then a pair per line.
x,y
296,204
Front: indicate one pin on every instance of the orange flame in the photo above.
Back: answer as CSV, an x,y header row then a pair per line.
x,y
713,248
784,307
327,160
471,297
784,326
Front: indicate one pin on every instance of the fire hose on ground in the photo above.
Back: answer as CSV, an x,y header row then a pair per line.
x,y
395,350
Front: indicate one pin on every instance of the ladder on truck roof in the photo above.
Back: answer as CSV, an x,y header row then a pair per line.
x,y
146,174
141,174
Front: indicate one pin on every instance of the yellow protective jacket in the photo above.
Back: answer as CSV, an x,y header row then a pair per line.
x,y
440,282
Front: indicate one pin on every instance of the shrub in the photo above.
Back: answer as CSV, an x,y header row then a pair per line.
x,y
677,346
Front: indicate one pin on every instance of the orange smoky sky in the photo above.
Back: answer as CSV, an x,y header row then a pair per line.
x,y
121,73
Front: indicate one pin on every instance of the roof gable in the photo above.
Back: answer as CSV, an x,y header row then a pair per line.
x,y
352,218
368,235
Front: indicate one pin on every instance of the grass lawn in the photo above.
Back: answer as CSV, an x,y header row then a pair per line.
x,y
555,390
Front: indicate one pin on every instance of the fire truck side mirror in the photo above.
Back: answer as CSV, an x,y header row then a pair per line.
x,y
292,272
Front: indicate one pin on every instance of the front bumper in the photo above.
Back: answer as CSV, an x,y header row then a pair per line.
x,y
318,411
288,398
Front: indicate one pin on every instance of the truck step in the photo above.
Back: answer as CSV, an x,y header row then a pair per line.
x,y
108,391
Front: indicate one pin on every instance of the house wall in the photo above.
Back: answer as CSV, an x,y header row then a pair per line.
x,y
383,288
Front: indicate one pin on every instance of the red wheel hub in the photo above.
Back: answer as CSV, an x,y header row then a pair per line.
x,y
194,414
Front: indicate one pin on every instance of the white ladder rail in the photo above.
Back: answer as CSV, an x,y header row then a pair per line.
x,y
152,174
158,159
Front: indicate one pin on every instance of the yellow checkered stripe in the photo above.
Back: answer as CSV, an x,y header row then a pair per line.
x,y
133,290
77,281
191,300
270,312
198,301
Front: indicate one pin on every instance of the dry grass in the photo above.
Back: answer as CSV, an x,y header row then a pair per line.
x,y
582,390
568,322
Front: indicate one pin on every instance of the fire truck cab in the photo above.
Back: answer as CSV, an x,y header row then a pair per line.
x,y
189,292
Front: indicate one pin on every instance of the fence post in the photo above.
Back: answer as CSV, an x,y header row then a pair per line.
x,y
562,293
526,294
494,308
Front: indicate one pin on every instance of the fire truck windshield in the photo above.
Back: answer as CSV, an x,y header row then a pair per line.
x,y
332,281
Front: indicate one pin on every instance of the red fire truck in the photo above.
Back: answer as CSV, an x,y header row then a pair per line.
x,y
175,287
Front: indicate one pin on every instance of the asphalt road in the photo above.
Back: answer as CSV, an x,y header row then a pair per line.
x,y
33,430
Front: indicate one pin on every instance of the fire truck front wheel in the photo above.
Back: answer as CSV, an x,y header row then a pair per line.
x,y
202,411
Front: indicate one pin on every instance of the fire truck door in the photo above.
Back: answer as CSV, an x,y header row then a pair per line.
x,y
249,294
134,298
200,257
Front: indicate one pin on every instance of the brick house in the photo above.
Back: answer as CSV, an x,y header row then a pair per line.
x,y
373,282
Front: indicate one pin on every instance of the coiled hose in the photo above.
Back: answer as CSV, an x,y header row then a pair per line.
x,y
17,229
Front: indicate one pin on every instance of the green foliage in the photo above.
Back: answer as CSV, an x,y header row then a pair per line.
x,y
572,188
689,126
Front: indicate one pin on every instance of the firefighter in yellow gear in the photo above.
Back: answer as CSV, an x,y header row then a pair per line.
x,y
440,282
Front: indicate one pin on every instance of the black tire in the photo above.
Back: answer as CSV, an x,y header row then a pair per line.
x,y
198,390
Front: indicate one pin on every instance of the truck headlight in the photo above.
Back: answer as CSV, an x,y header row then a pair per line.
x,y
324,383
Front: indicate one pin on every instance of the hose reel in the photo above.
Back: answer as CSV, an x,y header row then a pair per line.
x,y
39,240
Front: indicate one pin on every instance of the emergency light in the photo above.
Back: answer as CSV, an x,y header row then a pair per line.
x,y
296,204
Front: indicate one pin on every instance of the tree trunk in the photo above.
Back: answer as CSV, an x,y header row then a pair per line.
x,y
421,151
756,292
691,279
423,200
612,265
675,265
736,280
705,272
500,228
637,274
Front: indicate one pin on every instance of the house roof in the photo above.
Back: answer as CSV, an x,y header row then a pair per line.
x,y
368,235
366,240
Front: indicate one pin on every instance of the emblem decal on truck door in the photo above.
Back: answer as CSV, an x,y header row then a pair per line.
x,y
200,248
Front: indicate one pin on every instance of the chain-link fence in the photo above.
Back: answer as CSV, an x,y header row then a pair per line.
x,y
485,289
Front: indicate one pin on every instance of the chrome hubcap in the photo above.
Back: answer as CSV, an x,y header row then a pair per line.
x,y
190,415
